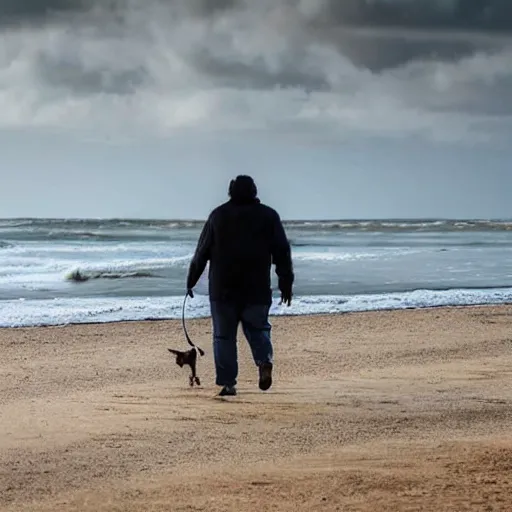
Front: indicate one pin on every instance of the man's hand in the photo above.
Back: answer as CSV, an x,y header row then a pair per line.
x,y
285,286
286,297
190,293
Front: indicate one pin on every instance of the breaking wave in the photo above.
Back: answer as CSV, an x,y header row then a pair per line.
x,y
79,276
63,311
403,225
133,229
151,268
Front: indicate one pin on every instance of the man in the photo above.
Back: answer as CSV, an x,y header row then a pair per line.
x,y
241,239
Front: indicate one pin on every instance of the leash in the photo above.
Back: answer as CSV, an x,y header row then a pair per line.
x,y
183,323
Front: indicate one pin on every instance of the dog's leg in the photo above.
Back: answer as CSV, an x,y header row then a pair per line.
x,y
193,376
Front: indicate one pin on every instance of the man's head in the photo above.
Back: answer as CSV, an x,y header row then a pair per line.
x,y
243,189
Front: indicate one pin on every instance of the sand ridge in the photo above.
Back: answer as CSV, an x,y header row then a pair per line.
x,y
403,410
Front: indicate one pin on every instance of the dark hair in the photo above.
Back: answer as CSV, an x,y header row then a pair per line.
x,y
242,189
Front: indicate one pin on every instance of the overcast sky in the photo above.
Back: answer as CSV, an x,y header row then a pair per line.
x,y
360,108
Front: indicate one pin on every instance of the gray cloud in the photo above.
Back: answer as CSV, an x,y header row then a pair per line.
x,y
484,15
34,11
39,11
76,77
495,15
437,69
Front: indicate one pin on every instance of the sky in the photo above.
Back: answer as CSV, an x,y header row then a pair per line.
x,y
353,109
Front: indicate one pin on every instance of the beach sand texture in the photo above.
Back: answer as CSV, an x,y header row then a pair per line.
x,y
397,411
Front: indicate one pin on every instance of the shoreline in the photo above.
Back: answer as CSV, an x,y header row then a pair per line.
x,y
191,320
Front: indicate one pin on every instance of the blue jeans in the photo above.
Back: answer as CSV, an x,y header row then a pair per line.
x,y
225,318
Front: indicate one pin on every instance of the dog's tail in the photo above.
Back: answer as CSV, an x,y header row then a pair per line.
x,y
190,342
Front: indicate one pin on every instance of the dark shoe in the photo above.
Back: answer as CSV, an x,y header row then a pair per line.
x,y
228,391
265,376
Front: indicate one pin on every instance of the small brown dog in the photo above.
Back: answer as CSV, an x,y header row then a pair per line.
x,y
190,358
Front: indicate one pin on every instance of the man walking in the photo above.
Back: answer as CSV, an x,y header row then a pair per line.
x,y
241,239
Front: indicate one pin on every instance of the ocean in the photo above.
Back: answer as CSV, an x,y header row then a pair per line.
x,y
55,271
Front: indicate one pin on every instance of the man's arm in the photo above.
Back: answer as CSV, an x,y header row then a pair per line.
x,y
282,259
201,255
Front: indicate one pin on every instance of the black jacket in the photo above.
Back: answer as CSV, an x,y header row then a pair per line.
x,y
242,240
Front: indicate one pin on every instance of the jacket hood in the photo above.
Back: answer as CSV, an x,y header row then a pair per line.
x,y
243,190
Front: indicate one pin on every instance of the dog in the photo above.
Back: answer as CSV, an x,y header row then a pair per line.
x,y
188,358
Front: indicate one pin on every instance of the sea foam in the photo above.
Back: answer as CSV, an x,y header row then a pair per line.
x,y
61,311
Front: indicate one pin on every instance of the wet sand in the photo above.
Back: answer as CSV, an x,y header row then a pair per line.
x,y
397,411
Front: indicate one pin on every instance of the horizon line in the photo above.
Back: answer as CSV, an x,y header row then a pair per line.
x,y
196,220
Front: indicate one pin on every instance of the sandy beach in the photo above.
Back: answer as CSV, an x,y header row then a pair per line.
x,y
405,410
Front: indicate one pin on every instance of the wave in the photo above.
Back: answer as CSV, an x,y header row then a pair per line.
x,y
403,225
5,245
95,224
86,236
79,277
125,269
28,313
140,249
335,256
104,229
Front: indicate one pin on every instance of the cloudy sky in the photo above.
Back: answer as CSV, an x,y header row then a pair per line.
x,y
360,108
